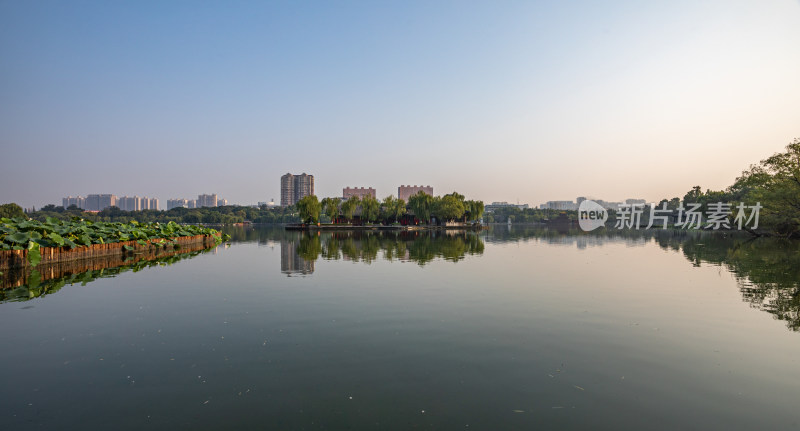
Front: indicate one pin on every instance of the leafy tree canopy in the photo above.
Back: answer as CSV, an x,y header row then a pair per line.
x,y
11,210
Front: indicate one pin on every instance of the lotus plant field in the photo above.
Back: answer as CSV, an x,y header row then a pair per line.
x,y
22,234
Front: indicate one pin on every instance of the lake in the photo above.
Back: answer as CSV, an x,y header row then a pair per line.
x,y
511,328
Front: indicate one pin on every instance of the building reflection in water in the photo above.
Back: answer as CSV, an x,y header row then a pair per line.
x,y
367,247
291,261
767,269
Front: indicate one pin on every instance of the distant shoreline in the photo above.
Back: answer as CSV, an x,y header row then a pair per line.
x,y
297,226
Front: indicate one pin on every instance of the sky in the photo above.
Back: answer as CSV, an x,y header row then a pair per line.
x,y
518,101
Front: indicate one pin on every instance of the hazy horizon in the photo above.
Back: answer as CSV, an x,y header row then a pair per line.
x,y
515,101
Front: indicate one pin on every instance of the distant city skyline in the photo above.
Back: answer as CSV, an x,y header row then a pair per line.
x,y
518,102
99,202
92,201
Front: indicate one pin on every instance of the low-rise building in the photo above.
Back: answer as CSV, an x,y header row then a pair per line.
x,y
559,205
347,192
497,205
404,192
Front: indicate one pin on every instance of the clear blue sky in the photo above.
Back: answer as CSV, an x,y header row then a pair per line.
x,y
508,100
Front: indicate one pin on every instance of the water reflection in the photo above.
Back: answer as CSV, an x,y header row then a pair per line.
x,y
22,284
292,263
566,331
405,246
579,238
767,270
300,250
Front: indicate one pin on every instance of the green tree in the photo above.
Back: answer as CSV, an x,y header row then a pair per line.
x,y
212,217
11,210
421,203
693,195
309,209
448,207
456,195
370,208
775,184
331,207
393,208
474,209
349,207
52,208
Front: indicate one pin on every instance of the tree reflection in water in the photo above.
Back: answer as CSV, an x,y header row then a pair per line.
x,y
22,284
367,246
767,270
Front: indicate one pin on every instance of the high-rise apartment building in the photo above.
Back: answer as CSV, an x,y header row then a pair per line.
x,y
78,201
287,190
296,187
405,192
211,200
177,203
135,203
360,192
99,202
129,203
91,202
207,200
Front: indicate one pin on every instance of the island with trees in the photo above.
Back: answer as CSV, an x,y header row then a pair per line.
x,y
422,211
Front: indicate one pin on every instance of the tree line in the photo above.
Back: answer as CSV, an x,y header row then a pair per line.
x,y
774,183
528,215
207,215
424,208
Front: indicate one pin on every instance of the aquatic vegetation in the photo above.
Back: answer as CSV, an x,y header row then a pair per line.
x,y
23,234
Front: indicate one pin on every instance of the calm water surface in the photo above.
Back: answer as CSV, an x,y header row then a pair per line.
x,y
515,328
